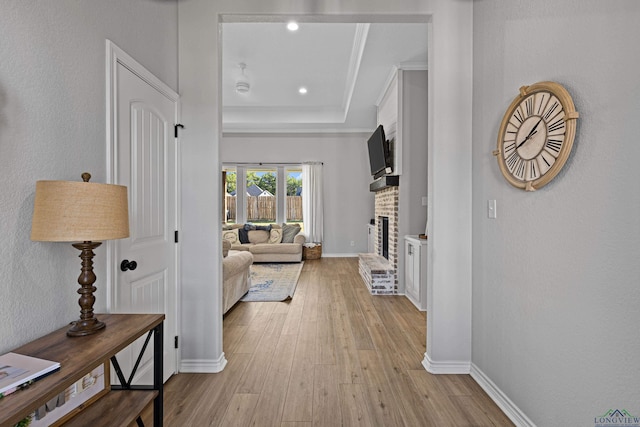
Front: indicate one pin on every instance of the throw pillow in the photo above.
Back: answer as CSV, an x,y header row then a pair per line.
x,y
225,248
275,235
230,236
289,232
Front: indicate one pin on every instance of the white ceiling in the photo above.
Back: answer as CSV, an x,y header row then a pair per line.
x,y
344,66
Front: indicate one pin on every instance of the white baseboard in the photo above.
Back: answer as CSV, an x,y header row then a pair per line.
x,y
348,255
504,403
446,367
203,366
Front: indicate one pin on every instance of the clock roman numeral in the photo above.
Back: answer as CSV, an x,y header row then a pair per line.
x,y
518,116
510,147
545,161
550,111
554,145
533,170
512,160
520,168
557,125
542,104
529,105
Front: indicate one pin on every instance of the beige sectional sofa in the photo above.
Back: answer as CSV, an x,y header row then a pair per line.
x,y
273,243
236,278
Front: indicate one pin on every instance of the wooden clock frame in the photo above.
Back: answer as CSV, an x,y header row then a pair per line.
x,y
570,116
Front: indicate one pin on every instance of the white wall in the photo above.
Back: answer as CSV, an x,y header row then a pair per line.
x,y
556,275
52,126
348,204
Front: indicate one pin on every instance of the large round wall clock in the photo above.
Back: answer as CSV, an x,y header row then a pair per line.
x,y
536,135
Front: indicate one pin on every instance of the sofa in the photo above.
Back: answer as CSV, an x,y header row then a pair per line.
x,y
236,279
270,243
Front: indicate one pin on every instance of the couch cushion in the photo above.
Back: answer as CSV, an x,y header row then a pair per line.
x,y
289,232
281,248
258,236
226,245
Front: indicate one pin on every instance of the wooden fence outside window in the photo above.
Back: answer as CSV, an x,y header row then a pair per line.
x,y
263,208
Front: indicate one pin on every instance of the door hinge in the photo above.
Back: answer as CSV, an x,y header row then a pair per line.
x,y
175,342
175,236
175,129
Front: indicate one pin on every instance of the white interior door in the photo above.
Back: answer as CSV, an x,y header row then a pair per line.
x,y
145,161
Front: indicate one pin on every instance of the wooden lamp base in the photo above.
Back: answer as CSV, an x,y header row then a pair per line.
x,y
87,324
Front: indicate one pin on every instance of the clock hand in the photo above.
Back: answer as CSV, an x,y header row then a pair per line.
x,y
531,133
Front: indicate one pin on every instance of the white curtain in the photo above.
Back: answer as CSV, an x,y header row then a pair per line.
x,y
312,201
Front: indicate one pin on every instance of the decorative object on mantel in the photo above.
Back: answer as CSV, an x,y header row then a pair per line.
x,y
536,135
87,213
422,236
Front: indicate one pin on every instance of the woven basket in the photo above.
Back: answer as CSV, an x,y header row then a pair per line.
x,y
312,253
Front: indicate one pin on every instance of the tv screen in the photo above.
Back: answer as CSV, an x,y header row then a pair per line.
x,y
378,152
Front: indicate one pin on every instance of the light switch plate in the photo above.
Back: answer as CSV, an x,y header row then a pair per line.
x,y
491,209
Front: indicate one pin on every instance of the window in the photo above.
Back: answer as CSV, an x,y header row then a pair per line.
x,y
261,195
273,194
294,195
229,178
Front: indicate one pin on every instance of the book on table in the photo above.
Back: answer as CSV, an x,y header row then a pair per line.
x,y
18,371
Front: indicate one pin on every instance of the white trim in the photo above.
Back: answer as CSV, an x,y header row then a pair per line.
x,y
359,43
413,66
203,366
502,400
446,367
349,255
387,83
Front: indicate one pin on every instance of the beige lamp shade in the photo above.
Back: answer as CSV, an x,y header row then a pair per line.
x,y
74,211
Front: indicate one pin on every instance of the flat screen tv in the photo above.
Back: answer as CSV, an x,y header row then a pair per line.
x,y
379,158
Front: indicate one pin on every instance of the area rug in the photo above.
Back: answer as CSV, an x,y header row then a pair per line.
x,y
273,282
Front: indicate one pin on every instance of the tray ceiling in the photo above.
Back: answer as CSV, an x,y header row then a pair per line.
x,y
343,66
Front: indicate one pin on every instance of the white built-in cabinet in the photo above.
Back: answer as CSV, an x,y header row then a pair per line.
x,y
415,271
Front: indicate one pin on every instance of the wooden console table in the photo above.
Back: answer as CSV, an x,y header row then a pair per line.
x,y
77,356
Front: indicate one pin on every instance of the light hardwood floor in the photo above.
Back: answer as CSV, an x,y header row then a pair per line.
x,y
332,356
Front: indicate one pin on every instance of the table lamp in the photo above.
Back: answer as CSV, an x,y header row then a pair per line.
x,y
86,213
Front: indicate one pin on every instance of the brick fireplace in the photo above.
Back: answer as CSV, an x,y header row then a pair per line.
x,y
386,210
379,270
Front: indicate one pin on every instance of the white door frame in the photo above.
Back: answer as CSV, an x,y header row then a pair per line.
x,y
116,56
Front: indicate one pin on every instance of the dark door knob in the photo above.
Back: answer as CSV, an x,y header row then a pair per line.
x,y
128,265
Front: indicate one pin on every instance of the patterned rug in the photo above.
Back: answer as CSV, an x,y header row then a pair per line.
x,y
273,282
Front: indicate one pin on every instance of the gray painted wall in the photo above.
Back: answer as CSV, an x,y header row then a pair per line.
x,y
347,201
556,275
52,126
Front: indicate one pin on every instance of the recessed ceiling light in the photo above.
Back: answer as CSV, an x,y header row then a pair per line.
x,y
302,90
292,26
